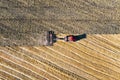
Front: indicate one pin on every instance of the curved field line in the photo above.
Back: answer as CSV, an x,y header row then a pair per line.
x,y
47,75
99,67
48,66
100,49
68,61
86,63
37,58
13,62
14,72
76,51
111,45
55,61
87,52
10,76
53,57
102,44
32,67
35,62
88,56
98,56
34,76
110,42
113,38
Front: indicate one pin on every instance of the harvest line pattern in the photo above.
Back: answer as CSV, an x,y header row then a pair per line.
x,y
88,16
87,59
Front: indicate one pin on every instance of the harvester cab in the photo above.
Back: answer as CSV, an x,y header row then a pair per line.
x,y
51,38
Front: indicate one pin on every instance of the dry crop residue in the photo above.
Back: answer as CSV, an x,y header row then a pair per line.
x,y
94,58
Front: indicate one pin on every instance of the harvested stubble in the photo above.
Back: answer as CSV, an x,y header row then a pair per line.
x,y
87,59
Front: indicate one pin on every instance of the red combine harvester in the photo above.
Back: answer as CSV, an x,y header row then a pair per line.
x,y
51,38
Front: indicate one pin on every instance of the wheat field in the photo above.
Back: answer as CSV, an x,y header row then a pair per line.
x,y
94,58
62,16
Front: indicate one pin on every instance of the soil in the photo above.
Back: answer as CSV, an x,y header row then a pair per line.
x,y
25,21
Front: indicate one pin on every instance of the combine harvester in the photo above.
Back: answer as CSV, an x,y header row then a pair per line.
x,y
47,38
52,38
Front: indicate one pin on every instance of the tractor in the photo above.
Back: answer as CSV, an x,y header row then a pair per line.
x,y
51,38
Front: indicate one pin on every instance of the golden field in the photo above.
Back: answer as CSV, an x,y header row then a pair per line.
x,y
95,58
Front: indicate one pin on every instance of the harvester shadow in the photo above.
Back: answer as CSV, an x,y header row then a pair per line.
x,y
79,37
76,37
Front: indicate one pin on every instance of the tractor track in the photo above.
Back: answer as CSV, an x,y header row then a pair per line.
x,y
104,64
75,51
97,57
94,17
